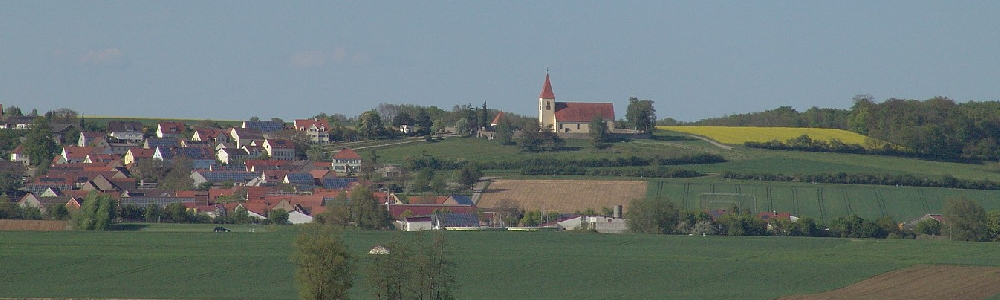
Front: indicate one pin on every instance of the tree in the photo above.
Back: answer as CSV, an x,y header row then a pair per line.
x,y
966,220
177,212
422,180
654,215
151,213
38,143
504,130
641,115
928,227
13,111
467,176
278,217
365,210
423,122
598,132
179,177
412,269
96,213
370,125
463,127
531,136
401,119
324,267
10,178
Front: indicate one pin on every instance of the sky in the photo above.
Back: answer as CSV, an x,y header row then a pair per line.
x,y
230,60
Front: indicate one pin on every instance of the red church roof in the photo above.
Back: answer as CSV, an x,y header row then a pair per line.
x,y
547,89
496,121
583,112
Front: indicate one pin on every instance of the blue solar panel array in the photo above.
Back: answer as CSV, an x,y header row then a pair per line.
x,y
457,219
223,176
264,126
337,183
300,179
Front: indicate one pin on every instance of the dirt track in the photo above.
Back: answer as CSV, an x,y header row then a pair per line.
x,y
32,225
920,282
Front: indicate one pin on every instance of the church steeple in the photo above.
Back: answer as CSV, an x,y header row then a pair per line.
x,y
547,89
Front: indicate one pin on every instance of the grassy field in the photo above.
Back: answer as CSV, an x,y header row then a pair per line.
x,y
167,263
735,135
819,201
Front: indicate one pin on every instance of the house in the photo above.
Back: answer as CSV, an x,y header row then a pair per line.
x,y
909,225
73,155
346,161
135,154
264,126
279,149
299,179
231,155
212,135
338,183
16,122
570,117
243,136
443,221
125,126
93,139
238,177
600,224
170,129
20,155
419,223
201,157
43,203
317,130
167,142
398,210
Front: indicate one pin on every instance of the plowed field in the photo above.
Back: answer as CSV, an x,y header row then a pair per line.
x,y
563,195
32,225
920,282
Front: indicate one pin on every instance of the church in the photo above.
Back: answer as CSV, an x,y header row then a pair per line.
x,y
570,117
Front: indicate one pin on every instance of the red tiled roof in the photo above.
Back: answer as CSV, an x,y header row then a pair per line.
x,y
346,154
547,89
142,152
257,165
172,127
496,120
280,144
301,125
583,112
78,152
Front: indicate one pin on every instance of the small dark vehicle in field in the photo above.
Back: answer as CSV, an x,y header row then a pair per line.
x,y
221,229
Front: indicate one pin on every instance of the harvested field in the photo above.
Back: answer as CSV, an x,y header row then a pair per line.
x,y
921,282
563,195
33,225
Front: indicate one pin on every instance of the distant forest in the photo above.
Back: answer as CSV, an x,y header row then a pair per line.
x,y
938,127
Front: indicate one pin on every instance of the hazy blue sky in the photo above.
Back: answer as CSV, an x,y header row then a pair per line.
x,y
294,59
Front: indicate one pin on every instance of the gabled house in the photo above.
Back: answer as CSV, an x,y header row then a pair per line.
x,y
201,157
264,126
230,155
170,129
279,149
243,136
346,161
16,122
135,154
73,154
316,129
93,139
167,142
20,155
210,135
238,177
299,179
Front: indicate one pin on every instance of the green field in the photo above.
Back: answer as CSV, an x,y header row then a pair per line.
x,y
819,201
161,263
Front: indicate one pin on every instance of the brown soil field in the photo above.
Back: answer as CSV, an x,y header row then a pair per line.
x,y
920,282
563,195
33,225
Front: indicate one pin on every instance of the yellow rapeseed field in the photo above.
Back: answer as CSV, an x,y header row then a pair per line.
x,y
738,135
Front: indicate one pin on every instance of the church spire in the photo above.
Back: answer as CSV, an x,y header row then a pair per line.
x,y
547,88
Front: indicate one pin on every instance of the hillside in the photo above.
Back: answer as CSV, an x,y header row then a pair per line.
x,y
820,201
